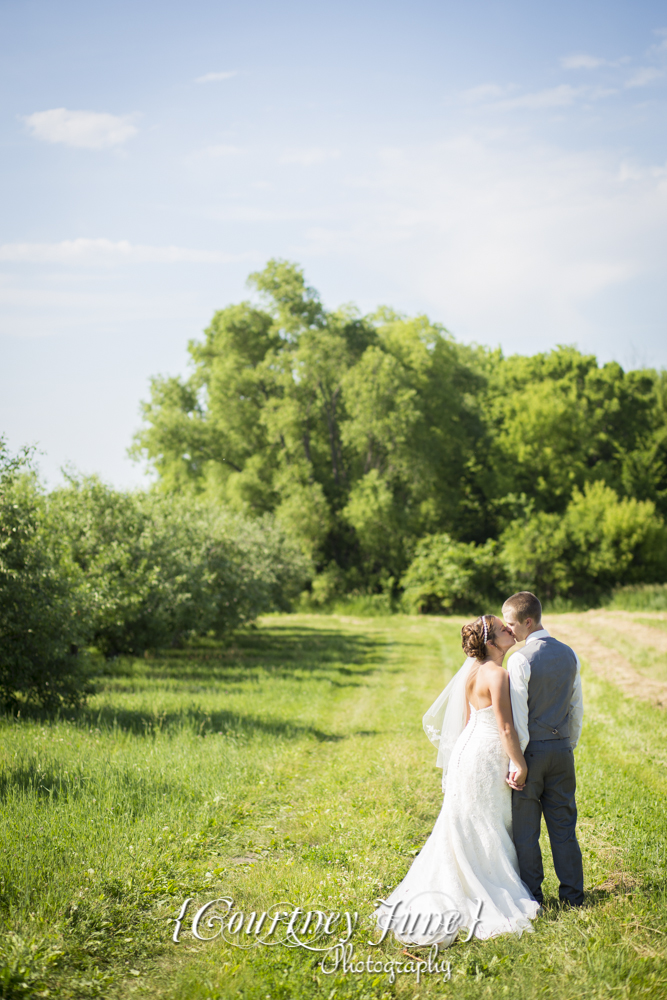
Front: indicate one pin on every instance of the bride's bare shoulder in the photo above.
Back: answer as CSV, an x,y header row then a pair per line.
x,y
494,674
493,667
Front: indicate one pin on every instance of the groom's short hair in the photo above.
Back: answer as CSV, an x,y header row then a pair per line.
x,y
525,605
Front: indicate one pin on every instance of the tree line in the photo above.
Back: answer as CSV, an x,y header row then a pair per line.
x,y
405,463
313,454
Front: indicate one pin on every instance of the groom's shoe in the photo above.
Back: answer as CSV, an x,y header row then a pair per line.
x,y
573,901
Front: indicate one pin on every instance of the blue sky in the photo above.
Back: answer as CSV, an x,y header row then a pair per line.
x,y
501,167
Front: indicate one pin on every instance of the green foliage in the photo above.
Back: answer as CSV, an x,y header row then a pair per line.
x,y
354,430
41,620
87,565
447,576
366,435
25,963
156,569
598,542
559,420
574,557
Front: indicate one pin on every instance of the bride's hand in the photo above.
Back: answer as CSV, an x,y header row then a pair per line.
x,y
517,779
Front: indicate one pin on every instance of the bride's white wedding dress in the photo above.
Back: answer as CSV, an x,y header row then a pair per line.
x,y
468,866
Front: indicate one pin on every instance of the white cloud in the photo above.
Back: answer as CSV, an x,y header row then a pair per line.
x,y
504,239
215,152
494,98
497,98
662,47
85,129
105,252
644,76
258,214
597,93
216,77
485,92
581,60
630,170
309,157
554,97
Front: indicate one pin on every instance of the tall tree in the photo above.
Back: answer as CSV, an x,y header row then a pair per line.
x,y
560,420
356,430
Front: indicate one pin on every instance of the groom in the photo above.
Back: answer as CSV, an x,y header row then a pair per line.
x,y
545,688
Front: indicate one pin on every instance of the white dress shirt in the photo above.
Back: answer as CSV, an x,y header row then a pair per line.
x,y
518,669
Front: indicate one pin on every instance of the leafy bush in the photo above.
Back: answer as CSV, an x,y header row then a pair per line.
x,y
598,543
157,569
41,620
447,576
124,572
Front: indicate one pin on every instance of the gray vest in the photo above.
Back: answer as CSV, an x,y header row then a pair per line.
x,y
553,669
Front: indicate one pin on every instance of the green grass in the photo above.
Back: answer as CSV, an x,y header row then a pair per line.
x,y
646,659
293,766
658,623
639,597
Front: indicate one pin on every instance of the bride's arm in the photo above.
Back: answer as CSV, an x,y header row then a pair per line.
x,y
499,689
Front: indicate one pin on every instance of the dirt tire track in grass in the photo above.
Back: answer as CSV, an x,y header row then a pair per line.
x,y
604,661
624,622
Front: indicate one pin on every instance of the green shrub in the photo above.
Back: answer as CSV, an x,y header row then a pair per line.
x,y
598,543
572,559
87,565
41,616
158,569
447,576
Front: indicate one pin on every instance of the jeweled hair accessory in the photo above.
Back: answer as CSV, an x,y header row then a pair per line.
x,y
486,630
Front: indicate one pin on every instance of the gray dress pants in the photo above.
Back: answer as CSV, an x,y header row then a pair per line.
x,y
549,790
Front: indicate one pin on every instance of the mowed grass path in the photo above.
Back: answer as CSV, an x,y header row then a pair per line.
x,y
292,765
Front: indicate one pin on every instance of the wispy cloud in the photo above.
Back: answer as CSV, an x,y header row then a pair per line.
x,y
216,77
105,252
486,92
218,151
259,214
598,93
644,76
479,229
495,97
661,46
309,157
581,60
84,129
553,97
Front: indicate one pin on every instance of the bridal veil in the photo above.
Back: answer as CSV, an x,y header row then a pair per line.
x,y
446,718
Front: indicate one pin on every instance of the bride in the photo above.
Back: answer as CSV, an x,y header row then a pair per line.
x,y
467,873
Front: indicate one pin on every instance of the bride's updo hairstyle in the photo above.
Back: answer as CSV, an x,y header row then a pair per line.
x,y
476,636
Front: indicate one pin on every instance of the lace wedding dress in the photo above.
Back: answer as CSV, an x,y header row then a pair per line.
x,y
467,873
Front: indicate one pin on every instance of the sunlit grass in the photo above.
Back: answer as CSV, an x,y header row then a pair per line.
x,y
293,766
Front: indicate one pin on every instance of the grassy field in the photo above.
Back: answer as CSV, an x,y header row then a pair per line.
x,y
292,766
